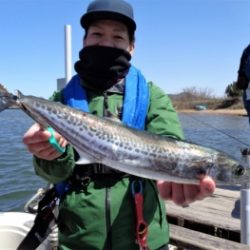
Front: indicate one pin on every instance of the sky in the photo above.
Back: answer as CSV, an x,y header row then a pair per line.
x,y
180,44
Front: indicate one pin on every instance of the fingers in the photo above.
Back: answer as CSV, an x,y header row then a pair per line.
x,y
165,189
37,141
178,195
61,141
35,134
207,187
184,194
43,150
190,193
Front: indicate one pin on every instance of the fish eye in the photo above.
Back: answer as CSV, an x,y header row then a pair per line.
x,y
239,170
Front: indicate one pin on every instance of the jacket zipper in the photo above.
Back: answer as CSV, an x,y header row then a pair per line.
x,y
108,219
107,195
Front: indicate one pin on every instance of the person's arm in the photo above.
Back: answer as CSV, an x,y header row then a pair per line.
x,y
244,69
162,119
51,165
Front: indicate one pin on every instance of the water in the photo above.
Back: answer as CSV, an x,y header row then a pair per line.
x,y
228,133
18,181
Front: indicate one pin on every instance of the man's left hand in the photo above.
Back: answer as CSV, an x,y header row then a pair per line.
x,y
184,194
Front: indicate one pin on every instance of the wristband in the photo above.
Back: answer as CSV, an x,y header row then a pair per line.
x,y
53,142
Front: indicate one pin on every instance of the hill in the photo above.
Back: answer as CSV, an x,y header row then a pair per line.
x,y
186,101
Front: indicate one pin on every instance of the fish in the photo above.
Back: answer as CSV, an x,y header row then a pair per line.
x,y
139,153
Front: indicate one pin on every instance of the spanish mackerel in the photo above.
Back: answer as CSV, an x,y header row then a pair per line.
x,y
102,140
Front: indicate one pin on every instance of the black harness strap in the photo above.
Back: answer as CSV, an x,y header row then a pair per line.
x,y
42,223
45,217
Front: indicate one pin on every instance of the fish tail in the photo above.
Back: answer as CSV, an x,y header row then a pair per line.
x,y
7,99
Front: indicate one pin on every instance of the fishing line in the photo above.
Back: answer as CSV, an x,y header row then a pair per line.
x,y
218,130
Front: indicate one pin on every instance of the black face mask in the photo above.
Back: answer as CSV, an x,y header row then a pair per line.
x,y
101,67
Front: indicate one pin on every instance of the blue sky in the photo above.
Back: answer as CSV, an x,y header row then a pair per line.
x,y
179,43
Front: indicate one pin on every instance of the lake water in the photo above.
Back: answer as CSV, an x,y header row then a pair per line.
x,y
18,181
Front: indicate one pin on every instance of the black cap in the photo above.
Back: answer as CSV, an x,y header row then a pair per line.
x,y
109,9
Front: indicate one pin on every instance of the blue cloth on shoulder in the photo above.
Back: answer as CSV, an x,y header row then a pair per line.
x,y
136,98
74,94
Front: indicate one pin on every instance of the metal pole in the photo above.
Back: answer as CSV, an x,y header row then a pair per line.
x,y
245,209
68,54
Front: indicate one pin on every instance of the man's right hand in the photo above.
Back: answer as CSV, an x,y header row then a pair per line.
x,y
37,141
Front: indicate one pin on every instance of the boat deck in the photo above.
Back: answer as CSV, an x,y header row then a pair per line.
x,y
213,223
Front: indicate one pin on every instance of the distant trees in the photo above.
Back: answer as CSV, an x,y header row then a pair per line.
x,y
198,92
233,91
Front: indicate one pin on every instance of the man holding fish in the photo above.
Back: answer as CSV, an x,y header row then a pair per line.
x,y
105,208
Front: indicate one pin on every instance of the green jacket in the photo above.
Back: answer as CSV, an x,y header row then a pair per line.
x,y
104,215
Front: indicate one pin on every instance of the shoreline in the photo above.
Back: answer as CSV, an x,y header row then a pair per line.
x,y
238,112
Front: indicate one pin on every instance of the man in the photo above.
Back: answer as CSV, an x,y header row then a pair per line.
x,y
244,78
100,210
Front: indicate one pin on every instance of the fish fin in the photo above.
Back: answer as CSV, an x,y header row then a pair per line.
x,y
83,161
83,158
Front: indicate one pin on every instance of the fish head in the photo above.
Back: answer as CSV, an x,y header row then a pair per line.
x,y
34,107
230,171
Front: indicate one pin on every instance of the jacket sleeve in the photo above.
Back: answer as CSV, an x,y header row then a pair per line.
x,y
60,168
162,118
244,69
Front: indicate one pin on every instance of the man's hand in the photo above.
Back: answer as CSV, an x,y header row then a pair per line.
x,y
37,141
184,194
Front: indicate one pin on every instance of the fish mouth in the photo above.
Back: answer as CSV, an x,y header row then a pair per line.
x,y
18,96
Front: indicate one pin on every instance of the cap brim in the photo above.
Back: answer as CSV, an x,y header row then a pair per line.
x,y
89,18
